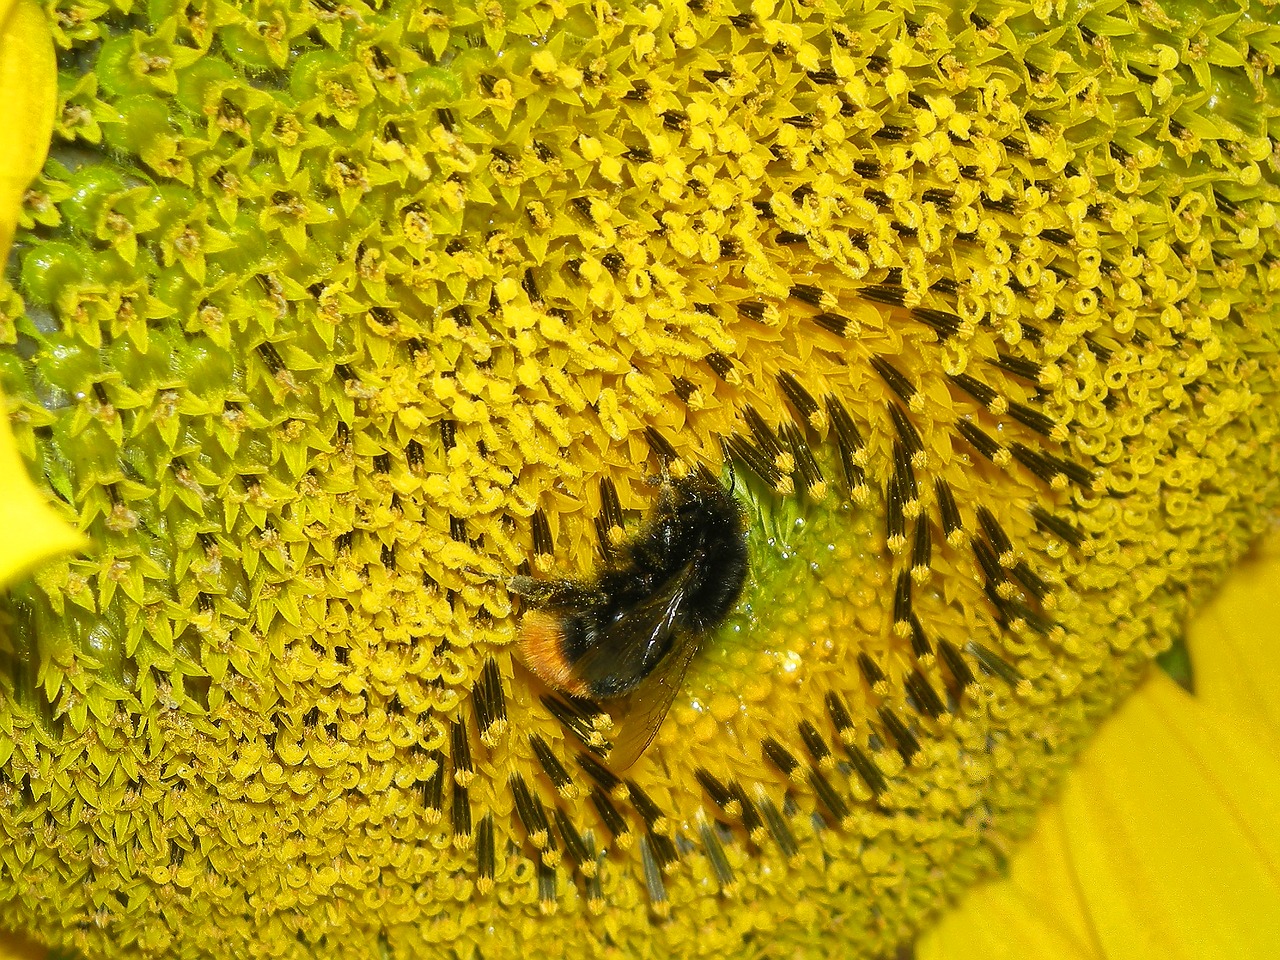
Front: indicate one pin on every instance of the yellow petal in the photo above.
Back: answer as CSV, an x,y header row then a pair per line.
x,y
32,531
1170,820
28,80
1164,843
1035,913
1234,643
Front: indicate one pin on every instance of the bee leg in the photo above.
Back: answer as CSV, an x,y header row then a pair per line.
x,y
544,593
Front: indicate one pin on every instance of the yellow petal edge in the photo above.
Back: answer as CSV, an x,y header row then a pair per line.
x,y
1163,845
28,77
32,531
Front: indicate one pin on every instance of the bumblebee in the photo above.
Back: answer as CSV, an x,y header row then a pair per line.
x,y
626,637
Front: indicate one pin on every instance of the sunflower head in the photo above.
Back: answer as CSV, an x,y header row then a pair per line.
x,y
328,320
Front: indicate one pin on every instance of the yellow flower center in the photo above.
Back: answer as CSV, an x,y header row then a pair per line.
x,y
328,318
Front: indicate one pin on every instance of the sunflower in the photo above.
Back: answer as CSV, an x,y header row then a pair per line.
x,y
327,324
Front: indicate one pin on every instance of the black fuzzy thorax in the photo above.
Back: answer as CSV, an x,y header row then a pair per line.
x,y
697,539
690,560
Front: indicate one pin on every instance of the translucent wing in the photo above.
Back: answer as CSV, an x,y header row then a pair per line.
x,y
631,643
641,714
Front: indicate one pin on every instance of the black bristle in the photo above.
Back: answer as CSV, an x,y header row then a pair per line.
x,y
944,324
841,326
955,664
849,443
813,742
715,853
827,794
906,430
950,513
486,861
530,284
893,296
660,445
942,199
866,769
1032,582
806,464
553,768
908,746
595,889
993,663
574,844
1077,474
891,132
765,438
901,602
601,774
716,790
1037,463
751,821
926,699
777,825
460,753
800,398
654,885
871,671
895,380
531,812
986,557
747,453
609,815
894,518
458,530
840,718
780,756
654,819
975,388
808,293
664,849
460,816
920,644
1060,528
904,474
610,516
995,533
720,365
1018,366
542,543
433,789
1034,419
980,440
547,884
578,722
921,547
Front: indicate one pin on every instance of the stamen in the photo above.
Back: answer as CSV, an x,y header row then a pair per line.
x,y
777,825
553,768
715,853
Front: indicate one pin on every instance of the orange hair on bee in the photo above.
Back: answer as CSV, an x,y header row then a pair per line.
x,y
541,644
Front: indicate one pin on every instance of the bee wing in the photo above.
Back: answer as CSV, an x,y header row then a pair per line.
x,y
643,712
631,645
